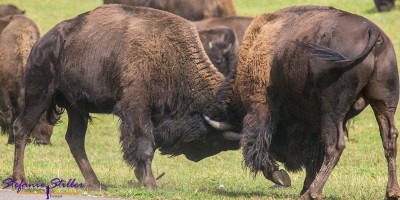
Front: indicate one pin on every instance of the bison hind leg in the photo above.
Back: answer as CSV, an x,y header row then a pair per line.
x,y
75,137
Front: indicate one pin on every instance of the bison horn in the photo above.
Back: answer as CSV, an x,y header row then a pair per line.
x,y
227,49
222,126
232,136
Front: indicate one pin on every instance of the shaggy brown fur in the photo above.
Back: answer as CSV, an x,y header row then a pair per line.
x,y
144,65
18,35
221,46
8,9
302,73
189,9
236,23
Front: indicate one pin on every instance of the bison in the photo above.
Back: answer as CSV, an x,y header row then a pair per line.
x,y
9,9
145,66
17,36
302,73
238,24
384,5
221,46
193,10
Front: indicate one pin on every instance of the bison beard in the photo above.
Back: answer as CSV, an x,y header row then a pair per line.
x,y
257,135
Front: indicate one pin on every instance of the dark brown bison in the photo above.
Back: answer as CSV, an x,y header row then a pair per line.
x,y
384,5
8,9
236,23
18,35
189,9
143,65
302,73
221,46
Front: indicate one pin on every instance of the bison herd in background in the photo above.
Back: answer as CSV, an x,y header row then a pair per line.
x,y
281,86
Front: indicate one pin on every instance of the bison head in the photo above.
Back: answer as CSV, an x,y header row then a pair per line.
x,y
221,46
196,137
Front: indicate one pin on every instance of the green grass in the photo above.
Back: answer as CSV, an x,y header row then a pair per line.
x,y
360,174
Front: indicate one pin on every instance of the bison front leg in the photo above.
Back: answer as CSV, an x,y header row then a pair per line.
x,y
333,139
138,146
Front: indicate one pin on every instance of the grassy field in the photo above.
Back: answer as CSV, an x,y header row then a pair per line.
x,y
360,174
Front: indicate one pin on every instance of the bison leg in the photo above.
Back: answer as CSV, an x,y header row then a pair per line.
x,y
7,116
334,146
382,92
23,126
9,121
312,168
138,145
75,137
384,113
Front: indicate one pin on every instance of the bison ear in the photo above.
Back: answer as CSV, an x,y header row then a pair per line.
x,y
227,49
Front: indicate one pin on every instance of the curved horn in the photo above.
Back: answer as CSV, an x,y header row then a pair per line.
x,y
222,126
232,136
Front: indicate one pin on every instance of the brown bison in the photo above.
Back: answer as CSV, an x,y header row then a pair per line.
x,y
236,23
193,10
8,9
221,46
302,73
143,65
17,36
384,5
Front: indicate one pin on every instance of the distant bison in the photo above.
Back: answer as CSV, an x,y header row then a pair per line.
x,y
18,35
236,23
221,46
8,9
146,66
302,73
384,5
189,9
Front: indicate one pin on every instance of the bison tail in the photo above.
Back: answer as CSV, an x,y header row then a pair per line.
x,y
54,113
335,60
258,129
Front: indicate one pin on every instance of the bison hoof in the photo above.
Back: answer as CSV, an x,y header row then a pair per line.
x,y
96,187
20,178
308,196
279,187
151,185
393,194
281,177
